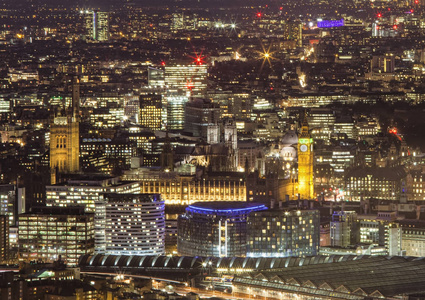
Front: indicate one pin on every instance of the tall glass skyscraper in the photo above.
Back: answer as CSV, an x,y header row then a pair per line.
x,y
97,25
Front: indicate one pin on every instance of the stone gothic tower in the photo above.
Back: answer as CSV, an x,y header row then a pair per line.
x,y
65,138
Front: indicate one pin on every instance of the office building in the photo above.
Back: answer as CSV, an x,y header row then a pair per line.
x,y
151,111
190,79
173,109
321,122
383,63
105,155
293,31
12,202
281,233
215,228
380,183
413,237
4,239
156,77
382,230
49,233
344,229
86,191
134,223
97,25
107,117
344,126
199,114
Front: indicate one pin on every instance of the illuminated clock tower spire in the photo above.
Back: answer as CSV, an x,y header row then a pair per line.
x,y
305,163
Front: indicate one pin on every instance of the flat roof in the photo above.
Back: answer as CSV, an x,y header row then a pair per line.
x,y
224,208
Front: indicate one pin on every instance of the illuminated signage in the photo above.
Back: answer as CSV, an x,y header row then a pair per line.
x,y
330,23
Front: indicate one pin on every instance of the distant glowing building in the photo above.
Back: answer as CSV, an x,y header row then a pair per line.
x,y
97,25
292,30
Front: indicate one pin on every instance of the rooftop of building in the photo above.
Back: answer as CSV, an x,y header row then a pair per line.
x,y
56,210
345,277
387,173
224,207
114,197
285,211
94,179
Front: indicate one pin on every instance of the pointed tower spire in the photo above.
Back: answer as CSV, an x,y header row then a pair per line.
x,y
75,97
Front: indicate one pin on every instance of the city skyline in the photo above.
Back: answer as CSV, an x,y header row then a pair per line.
x,y
192,149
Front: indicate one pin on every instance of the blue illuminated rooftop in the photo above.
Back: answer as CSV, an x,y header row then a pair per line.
x,y
224,208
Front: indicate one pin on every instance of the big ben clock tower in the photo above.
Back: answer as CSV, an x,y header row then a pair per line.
x,y
305,163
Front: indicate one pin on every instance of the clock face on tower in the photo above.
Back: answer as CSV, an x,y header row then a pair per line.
x,y
303,148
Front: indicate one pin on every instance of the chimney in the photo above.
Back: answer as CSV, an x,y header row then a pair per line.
x,y
418,212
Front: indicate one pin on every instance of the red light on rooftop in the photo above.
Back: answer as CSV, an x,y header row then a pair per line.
x,y
198,59
259,15
162,63
395,27
379,15
281,8
393,131
411,10
416,1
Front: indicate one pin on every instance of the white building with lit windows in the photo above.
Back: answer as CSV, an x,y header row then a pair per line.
x,y
134,224
86,190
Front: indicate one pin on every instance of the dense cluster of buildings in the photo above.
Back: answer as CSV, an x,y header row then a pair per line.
x,y
227,138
